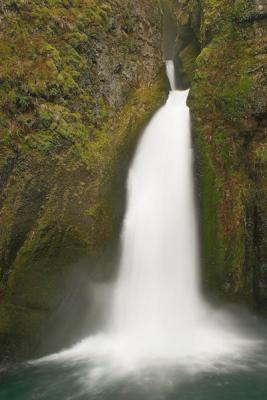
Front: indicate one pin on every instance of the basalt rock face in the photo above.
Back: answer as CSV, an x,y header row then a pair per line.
x,y
79,78
222,46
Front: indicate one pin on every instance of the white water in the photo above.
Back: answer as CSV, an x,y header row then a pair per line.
x,y
170,71
157,298
158,314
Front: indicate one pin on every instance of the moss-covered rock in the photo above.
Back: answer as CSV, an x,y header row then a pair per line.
x,y
79,78
228,105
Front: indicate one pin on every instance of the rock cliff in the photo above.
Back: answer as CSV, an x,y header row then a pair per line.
x,y
79,78
222,46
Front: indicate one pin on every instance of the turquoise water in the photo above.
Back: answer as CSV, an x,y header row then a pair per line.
x,y
241,379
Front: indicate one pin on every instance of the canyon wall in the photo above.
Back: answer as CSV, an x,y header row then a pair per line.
x,y
79,79
222,47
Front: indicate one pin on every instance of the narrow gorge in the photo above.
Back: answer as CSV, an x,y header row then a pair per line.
x,y
83,86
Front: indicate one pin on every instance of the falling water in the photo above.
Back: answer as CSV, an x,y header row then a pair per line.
x,y
157,295
158,312
170,71
158,305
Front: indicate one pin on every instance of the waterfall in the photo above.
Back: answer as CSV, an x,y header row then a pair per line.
x,y
158,312
157,297
170,71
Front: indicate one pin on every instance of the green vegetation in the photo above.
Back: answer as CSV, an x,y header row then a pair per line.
x,y
79,78
227,100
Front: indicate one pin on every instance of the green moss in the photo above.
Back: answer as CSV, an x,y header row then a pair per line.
x,y
188,56
16,324
67,134
227,107
212,245
261,153
235,95
246,11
